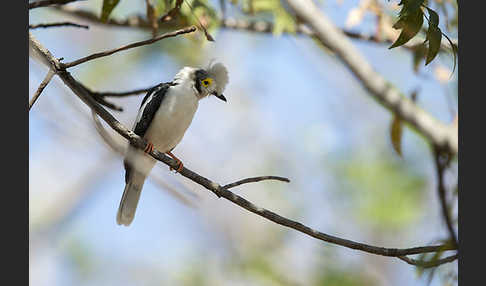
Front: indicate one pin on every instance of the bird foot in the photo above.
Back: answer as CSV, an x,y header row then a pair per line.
x,y
149,148
180,166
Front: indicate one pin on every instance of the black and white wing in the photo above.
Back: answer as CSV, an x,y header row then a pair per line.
x,y
149,106
146,113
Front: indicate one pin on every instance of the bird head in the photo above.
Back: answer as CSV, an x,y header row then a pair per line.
x,y
211,81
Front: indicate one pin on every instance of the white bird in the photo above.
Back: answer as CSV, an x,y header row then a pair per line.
x,y
164,116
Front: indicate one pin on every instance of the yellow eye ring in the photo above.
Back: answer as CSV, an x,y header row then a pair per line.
x,y
207,82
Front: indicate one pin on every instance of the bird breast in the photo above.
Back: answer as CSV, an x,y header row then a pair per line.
x,y
173,117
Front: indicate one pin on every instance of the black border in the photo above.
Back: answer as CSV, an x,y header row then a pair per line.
x,y
14,115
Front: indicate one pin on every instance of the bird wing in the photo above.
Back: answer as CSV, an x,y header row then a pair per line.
x,y
149,106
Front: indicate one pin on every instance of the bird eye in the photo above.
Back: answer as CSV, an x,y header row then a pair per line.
x,y
207,81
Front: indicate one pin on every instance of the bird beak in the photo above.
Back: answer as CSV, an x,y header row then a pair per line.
x,y
220,96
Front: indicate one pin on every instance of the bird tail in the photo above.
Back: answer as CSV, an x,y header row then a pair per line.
x,y
129,200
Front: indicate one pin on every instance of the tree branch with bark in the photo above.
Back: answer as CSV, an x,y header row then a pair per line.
x,y
254,26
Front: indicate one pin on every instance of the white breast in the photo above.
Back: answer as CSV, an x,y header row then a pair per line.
x,y
173,117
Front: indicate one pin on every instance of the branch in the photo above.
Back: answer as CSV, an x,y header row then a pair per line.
x,y
120,94
390,97
41,87
257,26
60,24
214,187
137,21
100,96
255,179
130,46
440,165
429,264
261,26
99,99
44,3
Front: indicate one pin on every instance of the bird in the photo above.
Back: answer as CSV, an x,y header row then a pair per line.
x,y
163,117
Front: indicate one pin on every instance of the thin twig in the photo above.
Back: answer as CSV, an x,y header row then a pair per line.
x,y
100,96
120,94
101,100
429,264
140,143
130,46
108,104
440,166
208,36
60,24
258,26
255,179
41,87
44,3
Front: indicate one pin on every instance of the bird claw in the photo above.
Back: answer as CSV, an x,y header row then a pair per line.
x,y
179,163
149,148
179,167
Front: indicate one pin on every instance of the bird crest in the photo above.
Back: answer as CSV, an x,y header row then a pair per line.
x,y
220,74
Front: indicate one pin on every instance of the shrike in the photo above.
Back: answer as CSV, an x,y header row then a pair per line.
x,y
164,116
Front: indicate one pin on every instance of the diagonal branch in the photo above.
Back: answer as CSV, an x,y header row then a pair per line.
x,y
214,187
41,87
429,264
60,24
101,100
119,94
100,96
389,96
255,179
45,3
129,46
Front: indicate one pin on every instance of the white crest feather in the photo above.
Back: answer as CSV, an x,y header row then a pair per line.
x,y
220,74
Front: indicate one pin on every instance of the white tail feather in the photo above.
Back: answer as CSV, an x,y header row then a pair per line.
x,y
129,200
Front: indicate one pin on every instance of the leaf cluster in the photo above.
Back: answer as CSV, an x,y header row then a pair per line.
x,y
410,21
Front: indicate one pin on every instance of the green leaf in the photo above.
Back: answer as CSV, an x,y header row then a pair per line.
x,y
418,55
400,24
283,22
410,7
434,36
411,25
396,131
433,18
108,6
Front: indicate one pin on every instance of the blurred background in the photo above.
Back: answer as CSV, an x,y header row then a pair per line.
x,y
293,110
